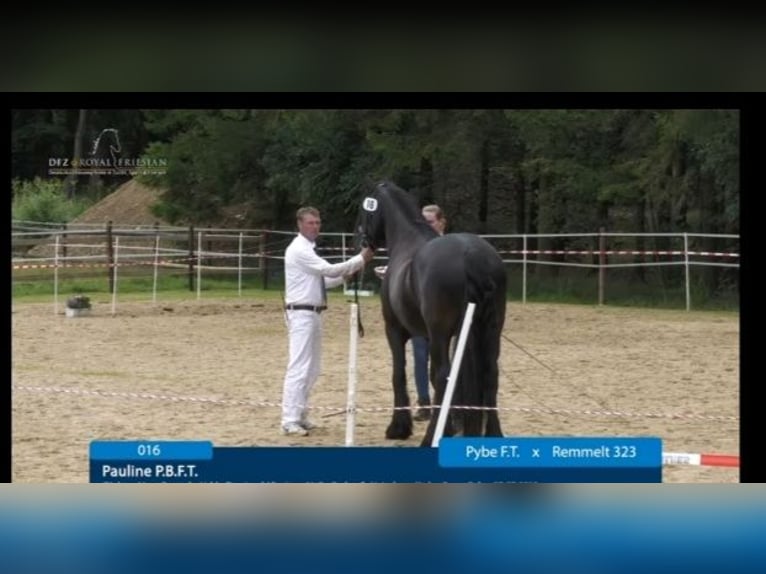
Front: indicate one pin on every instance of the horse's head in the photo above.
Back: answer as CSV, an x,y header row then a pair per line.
x,y
370,230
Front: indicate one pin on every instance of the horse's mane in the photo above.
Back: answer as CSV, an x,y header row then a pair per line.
x,y
405,203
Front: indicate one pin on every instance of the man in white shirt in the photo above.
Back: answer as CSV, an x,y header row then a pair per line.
x,y
307,276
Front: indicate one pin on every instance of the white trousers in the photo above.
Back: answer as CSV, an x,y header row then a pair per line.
x,y
304,363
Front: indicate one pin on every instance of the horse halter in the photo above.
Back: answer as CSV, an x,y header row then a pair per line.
x,y
369,205
366,240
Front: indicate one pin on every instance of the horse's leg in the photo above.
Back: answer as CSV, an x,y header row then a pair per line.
x,y
456,416
490,381
439,347
401,421
471,381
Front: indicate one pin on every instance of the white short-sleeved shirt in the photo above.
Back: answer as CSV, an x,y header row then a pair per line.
x,y
304,271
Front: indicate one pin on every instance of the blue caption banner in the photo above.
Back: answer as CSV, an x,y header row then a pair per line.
x,y
151,450
358,465
551,452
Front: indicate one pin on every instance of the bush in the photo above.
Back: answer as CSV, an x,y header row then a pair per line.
x,y
43,200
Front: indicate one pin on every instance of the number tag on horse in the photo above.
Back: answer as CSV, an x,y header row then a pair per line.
x,y
370,204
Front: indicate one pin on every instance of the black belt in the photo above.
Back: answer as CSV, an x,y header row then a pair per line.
x,y
315,308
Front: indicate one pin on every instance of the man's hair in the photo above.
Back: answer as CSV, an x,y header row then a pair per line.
x,y
306,211
435,209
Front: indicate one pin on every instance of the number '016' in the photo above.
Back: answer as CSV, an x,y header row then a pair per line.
x,y
149,450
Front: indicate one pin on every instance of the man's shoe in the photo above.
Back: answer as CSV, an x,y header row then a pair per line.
x,y
294,429
309,425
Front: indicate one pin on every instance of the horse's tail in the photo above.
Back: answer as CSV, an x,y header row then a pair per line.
x,y
479,373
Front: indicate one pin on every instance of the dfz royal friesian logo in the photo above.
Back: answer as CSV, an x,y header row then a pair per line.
x,y
105,159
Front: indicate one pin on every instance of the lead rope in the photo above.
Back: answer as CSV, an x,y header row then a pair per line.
x,y
580,390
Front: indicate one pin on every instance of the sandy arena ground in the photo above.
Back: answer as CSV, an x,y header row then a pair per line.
x,y
115,377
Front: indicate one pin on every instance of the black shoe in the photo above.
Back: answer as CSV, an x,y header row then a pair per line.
x,y
423,413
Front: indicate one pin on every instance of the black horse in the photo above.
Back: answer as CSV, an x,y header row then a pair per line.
x,y
429,282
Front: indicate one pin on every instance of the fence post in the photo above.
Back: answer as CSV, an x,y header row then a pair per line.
x,y
343,255
686,268
191,258
264,260
110,256
156,263
524,273
239,265
114,275
601,265
200,261
64,226
56,278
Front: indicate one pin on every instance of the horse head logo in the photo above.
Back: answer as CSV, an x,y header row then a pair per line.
x,y
112,137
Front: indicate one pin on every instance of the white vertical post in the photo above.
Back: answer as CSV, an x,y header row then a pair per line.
x,y
524,272
452,379
56,277
351,398
686,267
156,267
199,265
116,258
239,267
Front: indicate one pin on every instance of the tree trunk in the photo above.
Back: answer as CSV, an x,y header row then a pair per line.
x,y
545,224
533,225
520,195
711,210
484,187
662,243
70,184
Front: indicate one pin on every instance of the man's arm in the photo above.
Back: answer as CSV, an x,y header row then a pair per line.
x,y
315,264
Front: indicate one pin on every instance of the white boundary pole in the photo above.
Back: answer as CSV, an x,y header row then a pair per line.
x,y
156,267
452,379
351,398
56,277
114,275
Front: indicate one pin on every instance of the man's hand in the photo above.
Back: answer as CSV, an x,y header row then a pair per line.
x,y
367,254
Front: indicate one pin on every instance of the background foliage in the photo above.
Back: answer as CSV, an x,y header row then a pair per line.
x,y
536,171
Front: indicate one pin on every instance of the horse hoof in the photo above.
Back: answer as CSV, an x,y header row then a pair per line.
x,y
398,432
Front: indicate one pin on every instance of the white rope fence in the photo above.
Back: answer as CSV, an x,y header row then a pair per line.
x,y
250,251
272,404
